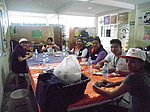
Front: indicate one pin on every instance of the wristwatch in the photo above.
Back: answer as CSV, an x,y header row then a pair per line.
x,y
117,71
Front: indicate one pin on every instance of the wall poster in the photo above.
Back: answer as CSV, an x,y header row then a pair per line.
x,y
146,33
123,34
123,18
13,30
144,18
113,19
106,20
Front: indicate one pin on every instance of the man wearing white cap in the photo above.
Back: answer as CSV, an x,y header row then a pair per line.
x,y
137,83
19,56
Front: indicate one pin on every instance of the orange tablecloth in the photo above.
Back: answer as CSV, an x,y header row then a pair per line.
x,y
89,96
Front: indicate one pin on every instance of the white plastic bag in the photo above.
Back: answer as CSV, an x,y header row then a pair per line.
x,y
68,70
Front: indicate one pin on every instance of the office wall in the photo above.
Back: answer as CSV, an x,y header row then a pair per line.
x,y
26,31
46,31
137,31
4,70
4,63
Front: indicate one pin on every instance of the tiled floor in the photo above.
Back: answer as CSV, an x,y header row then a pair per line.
x,y
10,86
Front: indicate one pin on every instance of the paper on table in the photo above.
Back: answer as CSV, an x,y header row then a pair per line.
x,y
33,67
96,72
37,74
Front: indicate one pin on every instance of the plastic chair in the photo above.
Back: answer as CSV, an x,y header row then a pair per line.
x,y
20,101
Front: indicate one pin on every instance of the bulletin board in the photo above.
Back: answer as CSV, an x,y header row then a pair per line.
x,y
36,33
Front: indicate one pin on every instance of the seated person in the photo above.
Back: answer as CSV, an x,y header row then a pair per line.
x,y
98,53
136,83
19,56
49,44
117,64
80,50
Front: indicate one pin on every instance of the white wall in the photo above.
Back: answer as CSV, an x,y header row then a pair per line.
x,y
4,70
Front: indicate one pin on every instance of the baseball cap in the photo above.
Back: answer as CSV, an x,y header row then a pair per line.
x,y
135,53
23,40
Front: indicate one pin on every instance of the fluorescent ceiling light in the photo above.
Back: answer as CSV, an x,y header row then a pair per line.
x,y
90,8
84,0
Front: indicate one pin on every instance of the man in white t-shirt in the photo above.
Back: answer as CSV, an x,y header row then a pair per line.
x,y
117,64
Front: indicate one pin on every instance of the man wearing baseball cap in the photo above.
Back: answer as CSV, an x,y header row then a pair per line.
x,y
19,56
137,83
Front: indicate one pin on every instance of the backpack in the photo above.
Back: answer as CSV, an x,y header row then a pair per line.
x,y
49,94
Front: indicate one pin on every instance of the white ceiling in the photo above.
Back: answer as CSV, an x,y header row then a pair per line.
x,y
73,7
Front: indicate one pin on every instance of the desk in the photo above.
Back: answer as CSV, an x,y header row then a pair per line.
x,y
88,98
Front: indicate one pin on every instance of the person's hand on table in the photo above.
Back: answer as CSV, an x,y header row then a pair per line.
x,y
95,87
111,70
47,47
97,66
54,46
107,83
69,51
30,55
112,84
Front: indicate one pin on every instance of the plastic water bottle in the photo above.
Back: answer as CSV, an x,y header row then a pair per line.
x,y
50,50
105,71
63,48
36,54
67,48
64,51
90,65
75,54
44,58
47,61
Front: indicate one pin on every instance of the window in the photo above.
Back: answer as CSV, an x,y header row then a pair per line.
x,y
108,31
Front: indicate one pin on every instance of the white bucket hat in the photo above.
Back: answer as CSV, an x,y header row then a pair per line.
x,y
23,40
135,53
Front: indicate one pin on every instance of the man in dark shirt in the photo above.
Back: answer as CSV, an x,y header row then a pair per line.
x,y
19,56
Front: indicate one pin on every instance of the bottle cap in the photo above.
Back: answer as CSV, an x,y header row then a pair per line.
x,y
105,63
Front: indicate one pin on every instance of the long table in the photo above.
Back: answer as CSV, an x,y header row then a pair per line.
x,y
89,97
